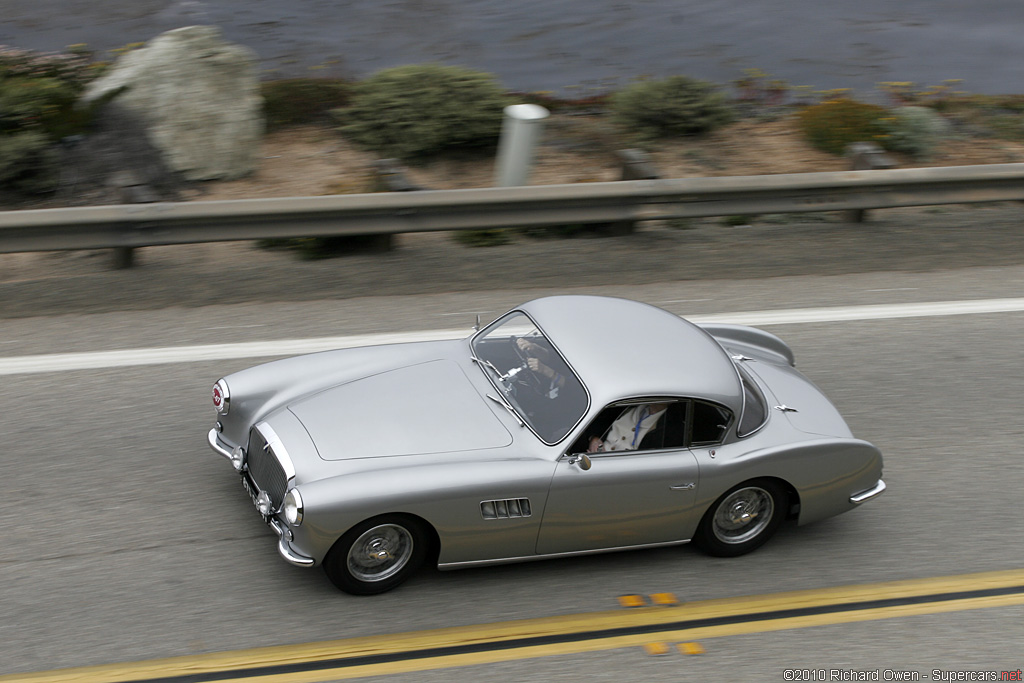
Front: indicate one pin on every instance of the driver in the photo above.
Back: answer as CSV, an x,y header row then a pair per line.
x,y
539,360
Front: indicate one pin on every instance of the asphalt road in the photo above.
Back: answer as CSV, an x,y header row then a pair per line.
x,y
127,539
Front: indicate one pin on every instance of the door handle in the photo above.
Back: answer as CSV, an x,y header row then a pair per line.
x,y
683,487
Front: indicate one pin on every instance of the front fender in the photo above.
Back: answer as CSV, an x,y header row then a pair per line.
x,y
447,496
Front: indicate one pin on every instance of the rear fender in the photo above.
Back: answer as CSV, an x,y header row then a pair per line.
x,y
752,342
823,472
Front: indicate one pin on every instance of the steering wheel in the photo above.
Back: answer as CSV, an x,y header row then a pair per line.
x,y
525,376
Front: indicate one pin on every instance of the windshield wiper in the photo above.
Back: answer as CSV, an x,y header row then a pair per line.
x,y
506,406
491,365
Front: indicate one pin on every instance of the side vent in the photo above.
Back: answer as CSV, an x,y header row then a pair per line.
x,y
504,509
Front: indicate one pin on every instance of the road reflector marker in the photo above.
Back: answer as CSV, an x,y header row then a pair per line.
x,y
667,599
691,648
656,649
632,601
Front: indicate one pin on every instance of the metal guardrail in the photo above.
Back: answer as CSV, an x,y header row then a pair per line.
x,y
139,225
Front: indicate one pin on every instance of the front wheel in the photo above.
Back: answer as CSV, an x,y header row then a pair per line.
x,y
742,519
376,555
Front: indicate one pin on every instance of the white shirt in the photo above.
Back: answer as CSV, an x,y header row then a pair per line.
x,y
629,429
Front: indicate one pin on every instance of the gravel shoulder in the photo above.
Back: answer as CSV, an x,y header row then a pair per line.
x,y
927,239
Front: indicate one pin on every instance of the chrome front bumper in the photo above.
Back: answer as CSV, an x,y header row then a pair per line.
x,y
867,494
218,446
284,546
284,535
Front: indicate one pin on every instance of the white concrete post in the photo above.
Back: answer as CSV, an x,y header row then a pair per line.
x,y
520,132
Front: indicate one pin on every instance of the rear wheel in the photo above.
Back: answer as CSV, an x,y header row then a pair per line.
x,y
742,519
376,555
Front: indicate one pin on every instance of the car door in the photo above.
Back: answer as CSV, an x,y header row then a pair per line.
x,y
627,497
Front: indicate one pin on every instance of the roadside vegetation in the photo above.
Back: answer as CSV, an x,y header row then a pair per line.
x,y
37,110
420,113
415,112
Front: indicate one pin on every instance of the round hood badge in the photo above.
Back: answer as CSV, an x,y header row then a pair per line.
x,y
221,397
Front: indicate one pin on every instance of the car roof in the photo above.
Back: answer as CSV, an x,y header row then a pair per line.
x,y
622,349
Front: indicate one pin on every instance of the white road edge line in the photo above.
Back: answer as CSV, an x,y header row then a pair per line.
x,y
62,362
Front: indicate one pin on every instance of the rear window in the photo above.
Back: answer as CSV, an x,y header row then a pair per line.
x,y
755,408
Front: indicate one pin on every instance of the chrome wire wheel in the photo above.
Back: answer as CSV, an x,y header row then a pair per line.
x,y
743,515
380,552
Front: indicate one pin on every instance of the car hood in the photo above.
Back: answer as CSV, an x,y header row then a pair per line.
x,y
428,407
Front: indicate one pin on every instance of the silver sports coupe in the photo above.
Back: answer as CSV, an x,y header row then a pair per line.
x,y
537,437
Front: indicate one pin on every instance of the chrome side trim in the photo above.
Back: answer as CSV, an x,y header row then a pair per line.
x,y
285,548
530,558
868,494
215,443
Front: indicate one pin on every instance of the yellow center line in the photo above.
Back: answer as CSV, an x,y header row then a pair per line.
x,y
578,633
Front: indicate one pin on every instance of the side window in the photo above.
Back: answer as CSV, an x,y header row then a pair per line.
x,y
710,423
635,426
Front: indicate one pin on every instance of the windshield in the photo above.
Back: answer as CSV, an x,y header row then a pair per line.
x,y
531,376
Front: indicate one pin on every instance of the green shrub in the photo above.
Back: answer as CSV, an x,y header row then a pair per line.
x,y
38,93
914,130
28,162
997,116
671,107
412,112
296,101
46,104
834,124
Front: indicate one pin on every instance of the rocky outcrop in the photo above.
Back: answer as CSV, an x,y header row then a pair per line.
x,y
198,97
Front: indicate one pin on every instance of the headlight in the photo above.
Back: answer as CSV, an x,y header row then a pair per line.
x,y
292,507
238,458
221,397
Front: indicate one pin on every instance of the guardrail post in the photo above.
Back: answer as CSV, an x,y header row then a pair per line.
x,y
636,164
865,156
390,176
132,191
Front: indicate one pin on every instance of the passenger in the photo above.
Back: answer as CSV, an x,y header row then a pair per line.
x,y
629,429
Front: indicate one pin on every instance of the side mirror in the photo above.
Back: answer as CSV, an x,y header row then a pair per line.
x,y
582,459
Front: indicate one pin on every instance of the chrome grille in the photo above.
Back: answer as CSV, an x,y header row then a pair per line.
x,y
264,468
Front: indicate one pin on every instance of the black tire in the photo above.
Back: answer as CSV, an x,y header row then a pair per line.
x,y
742,519
376,555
